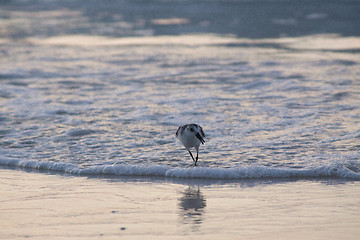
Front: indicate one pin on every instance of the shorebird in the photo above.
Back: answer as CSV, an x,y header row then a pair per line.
x,y
191,135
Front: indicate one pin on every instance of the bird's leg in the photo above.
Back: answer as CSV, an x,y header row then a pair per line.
x,y
192,156
197,156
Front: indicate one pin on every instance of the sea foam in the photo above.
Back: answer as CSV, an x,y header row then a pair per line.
x,y
338,171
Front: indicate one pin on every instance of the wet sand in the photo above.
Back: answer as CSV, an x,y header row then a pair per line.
x,y
47,206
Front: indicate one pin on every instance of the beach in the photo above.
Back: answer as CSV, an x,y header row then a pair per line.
x,y
50,206
92,94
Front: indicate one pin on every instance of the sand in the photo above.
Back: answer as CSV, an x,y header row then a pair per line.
x,y
51,206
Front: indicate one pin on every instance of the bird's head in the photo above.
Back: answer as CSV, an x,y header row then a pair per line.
x,y
197,131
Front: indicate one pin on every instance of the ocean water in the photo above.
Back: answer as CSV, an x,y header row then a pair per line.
x,y
96,88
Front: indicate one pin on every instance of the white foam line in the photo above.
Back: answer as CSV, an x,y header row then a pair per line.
x,y
247,172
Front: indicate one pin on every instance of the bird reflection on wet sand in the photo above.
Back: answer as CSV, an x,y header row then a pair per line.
x,y
192,205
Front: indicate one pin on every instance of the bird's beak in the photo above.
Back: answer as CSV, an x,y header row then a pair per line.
x,y
200,138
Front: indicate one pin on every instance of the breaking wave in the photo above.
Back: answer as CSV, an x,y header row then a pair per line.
x,y
338,171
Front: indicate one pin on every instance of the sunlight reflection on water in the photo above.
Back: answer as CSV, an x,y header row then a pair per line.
x,y
87,98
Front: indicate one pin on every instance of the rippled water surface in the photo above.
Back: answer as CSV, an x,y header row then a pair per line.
x,y
94,88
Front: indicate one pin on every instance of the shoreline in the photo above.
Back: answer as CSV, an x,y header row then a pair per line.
x,y
51,206
199,173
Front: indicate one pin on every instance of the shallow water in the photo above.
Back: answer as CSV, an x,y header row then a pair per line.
x,y
106,92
